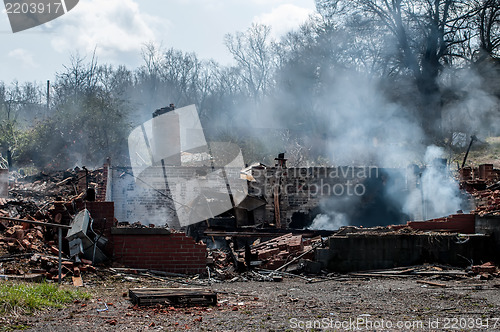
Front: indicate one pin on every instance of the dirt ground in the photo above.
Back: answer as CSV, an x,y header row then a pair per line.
x,y
346,303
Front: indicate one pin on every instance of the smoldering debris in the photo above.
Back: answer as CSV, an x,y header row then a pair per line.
x,y
437,193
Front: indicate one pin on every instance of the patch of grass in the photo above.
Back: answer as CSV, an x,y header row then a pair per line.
x,y
22,298
19,327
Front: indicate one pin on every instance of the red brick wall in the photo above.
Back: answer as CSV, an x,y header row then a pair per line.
x,y
174,252
460,223
102,186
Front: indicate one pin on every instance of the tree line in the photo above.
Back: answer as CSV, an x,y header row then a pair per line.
x,y
436,59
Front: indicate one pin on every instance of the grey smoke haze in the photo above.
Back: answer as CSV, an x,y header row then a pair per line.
x,y
364,128
474,110
338,113
341,116
349,120
367,129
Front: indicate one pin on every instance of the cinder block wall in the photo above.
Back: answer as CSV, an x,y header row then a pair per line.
x,y
157,249
359,252
490,226
136,201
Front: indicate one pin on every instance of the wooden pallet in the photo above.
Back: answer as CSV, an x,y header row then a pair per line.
x,y
173,296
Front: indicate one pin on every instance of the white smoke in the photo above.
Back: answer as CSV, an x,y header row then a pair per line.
x,y
332,221
438,194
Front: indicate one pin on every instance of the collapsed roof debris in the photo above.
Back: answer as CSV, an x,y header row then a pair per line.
x,y
77,198
29,249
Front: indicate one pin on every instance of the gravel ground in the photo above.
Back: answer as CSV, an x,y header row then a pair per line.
x,y
347,303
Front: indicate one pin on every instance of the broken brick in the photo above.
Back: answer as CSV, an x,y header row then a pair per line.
x,y
54,250
10,232
113,322
485,268
86,261
68,264
19,234
265,254
26,244
39,234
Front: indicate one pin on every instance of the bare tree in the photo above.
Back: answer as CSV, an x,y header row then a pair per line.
x,y
488,22
255,58
423,35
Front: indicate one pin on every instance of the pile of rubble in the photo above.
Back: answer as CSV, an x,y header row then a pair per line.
x,y
29,251
486,271
221,263
487,202
16,238
19,208
277,252
38,266
288,252
65,185
483,184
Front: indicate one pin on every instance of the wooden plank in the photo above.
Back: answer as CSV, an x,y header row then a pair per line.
x,y
406,271
36,222
176,296
169,291
380,275
431,283
441,273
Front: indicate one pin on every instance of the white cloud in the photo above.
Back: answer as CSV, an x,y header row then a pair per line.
x,y
284,18
206,4
267,2
23,57
113,26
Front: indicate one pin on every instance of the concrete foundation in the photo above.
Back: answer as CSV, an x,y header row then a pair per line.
x,y
490,226
358,252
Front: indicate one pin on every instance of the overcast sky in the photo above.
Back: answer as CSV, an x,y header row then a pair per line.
x,y
119,28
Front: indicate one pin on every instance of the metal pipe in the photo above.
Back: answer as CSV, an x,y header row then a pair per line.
x,y
59,239
472,139
48,224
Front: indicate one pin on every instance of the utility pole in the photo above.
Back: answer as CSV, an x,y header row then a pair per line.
x,y
48,96
9,153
